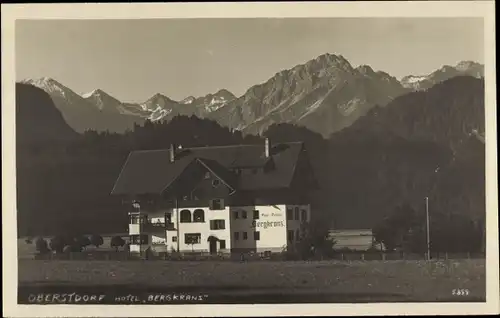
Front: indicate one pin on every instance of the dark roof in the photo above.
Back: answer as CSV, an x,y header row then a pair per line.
x,y
151,172
226,176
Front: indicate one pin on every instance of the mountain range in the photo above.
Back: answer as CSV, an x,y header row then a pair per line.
x,y
325,94
98,110
423,82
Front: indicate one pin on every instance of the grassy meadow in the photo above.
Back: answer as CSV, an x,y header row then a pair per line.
x,y
382,280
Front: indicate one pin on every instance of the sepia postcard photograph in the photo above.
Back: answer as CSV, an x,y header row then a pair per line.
x,y
266,158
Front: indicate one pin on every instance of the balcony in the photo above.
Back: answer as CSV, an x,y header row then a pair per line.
x,y
157,227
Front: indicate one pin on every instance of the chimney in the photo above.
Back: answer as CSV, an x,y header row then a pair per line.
x,y
172,153
267,148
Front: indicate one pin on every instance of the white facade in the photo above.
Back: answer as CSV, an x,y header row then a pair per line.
x,y
353,239
236,229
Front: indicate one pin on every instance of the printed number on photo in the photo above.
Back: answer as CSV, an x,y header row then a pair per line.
x,y
460,292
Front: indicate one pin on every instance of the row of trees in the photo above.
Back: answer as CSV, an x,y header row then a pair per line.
x,y
62,244
406,229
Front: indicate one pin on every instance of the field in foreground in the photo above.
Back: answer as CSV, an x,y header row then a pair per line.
x,y
318,281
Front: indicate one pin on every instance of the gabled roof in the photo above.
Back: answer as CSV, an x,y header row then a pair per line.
x,y
225,175
151,172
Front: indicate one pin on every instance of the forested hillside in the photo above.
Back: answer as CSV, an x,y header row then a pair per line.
x,y
421,144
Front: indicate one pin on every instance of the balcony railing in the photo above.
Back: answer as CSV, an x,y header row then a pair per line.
x,y
157,227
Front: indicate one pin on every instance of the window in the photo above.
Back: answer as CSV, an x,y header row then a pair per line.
x,y
236,236
185,216
222,244
215,183
138,219
290,235
245,235
256,235
235,215
134,219
139,239
255,214
244,214
217,224
304,215
297,235
216,204
296,213
192,238
199,216
289,214
174,238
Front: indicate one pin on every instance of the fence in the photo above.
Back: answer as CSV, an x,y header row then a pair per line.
x,y
87,256
205,256
382,256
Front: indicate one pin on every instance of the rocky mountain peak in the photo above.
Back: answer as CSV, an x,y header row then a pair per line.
x,y
188,100
366,70
466,65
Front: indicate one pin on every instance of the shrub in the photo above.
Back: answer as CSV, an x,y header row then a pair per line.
x,y
96,240
41,246
82,242
57,244
117,241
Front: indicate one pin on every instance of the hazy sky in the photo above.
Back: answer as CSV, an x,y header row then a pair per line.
x,y
134,59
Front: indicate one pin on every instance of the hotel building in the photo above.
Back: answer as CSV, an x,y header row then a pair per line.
x,y
229,199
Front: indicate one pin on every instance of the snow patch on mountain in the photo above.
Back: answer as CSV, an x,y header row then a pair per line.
x,y
159,113
188,100
414,79
89,94
215,103
347,108
313,107
48,84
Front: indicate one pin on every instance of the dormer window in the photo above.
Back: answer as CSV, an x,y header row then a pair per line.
x,y
216,204
207,175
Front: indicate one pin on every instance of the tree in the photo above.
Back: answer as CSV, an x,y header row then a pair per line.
x,y
96,240
117,241
397,229
82,241
314,240
41,246
57,244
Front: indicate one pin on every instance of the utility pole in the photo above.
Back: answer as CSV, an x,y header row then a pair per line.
x,y
177,221
428,228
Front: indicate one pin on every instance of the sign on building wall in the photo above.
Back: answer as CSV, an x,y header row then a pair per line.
x,y
267,224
